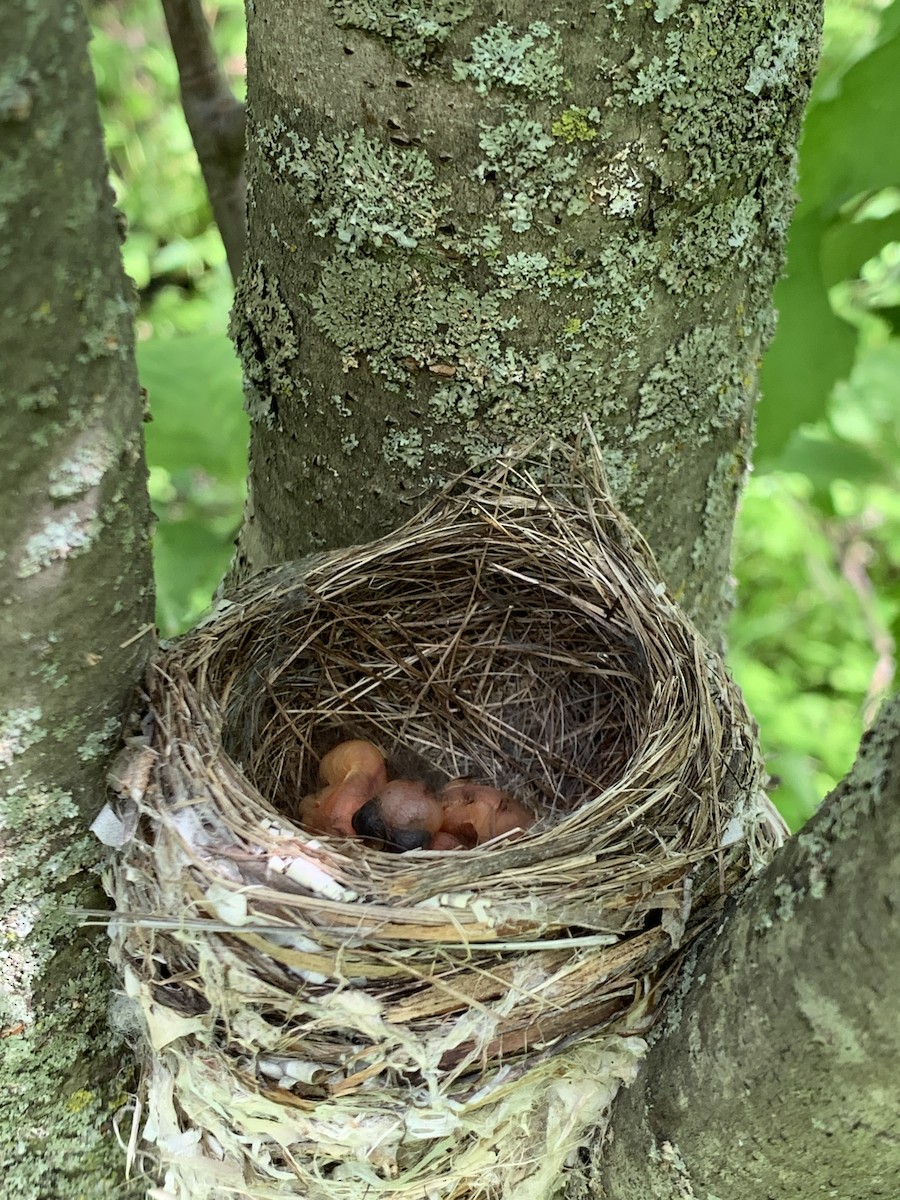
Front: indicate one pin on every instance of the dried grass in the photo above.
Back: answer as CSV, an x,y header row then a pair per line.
x,y
324,1020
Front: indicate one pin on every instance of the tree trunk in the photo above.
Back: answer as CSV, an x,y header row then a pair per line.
x,y
776,1074
77,600
467,231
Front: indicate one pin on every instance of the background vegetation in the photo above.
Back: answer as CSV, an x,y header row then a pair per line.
x,y
817,558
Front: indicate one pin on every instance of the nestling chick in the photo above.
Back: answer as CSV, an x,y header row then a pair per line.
x,y
355,757
446,841
404,815
353,771
475,813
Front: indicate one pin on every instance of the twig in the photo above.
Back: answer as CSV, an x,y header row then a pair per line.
x,y
216,121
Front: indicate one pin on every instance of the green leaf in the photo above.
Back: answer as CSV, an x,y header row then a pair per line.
x,y
824,459
136,256
196,401
865,406
890,314
890,22
798,792
812,349
847,245
849,142
189,563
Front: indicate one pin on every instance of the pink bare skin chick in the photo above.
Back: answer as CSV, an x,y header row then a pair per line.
x,y
475,813
353,772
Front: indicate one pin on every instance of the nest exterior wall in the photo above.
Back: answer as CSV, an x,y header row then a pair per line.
x,y
326,1020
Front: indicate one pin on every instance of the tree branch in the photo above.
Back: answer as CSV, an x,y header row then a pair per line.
x,y
76,582
776,1074
216,121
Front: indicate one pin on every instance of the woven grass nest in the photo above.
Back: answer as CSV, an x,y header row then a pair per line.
x,y
325,1020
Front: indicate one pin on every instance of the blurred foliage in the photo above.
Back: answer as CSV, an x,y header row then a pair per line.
x,y
847,157
197,439
818,544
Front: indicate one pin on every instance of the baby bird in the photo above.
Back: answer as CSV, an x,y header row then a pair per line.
x,y
403,815
475,813
355,757
352,771
358,801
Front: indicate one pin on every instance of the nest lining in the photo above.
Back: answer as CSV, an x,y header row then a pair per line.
x,y
411,1023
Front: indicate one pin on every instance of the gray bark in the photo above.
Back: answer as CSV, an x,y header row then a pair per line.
x,y
466,231
77,600
777,1075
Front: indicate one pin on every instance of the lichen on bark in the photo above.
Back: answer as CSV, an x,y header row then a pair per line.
x,y
77,599
535,219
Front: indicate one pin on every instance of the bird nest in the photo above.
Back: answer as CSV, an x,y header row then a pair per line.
x,y
326,1020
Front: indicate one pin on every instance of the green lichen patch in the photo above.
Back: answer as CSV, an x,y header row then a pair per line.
x,y
264,333
108,334
415,325
573,126
81,471
526,394
699,387
660,78
523,272
709,243
619,186
528,63
19,730
618,8
530,178
519,382
360,190
403,448
18,83
99,743
416,31
41,400
707,77
404,319
775,59
58,1089
613,288
523,394
44,845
